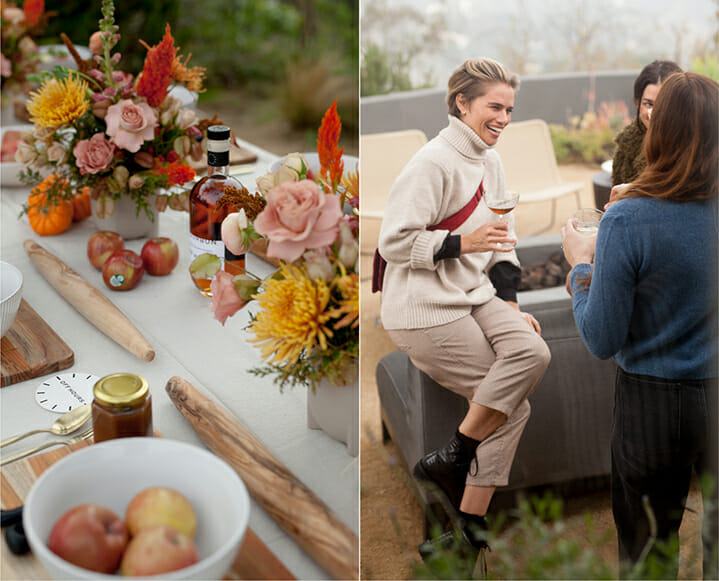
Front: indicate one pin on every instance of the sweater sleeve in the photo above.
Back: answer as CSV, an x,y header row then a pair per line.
x,y
603,312
414,203
506,278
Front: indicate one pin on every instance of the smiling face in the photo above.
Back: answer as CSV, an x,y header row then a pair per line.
x,y
647,102
490,113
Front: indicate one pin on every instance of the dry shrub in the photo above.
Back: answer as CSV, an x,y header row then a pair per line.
x,y
311,85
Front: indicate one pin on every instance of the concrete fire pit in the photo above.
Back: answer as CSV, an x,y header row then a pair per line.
x,y
567,436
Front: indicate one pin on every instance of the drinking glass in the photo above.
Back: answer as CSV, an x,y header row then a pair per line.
x,y
501,203
586,221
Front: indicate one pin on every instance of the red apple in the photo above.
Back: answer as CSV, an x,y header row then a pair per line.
x,y
160,255
90,536
160,505
101,245
123,270
156,550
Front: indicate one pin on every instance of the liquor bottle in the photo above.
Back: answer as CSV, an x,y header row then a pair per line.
x,y
205,218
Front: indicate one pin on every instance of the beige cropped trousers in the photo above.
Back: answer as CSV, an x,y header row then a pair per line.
x,y
493,358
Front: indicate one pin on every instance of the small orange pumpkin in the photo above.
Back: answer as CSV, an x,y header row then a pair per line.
x,y
48,217
81,205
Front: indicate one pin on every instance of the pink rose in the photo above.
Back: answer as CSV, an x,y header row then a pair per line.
x,y
130,124
298,216
95,42
93,155
225,300
5,66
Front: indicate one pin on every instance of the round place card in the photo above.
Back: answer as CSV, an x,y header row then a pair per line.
x,y
61,393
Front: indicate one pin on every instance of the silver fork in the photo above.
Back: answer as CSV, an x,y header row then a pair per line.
x,y
86,435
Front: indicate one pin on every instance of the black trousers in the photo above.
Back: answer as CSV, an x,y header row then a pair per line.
x,y
662,432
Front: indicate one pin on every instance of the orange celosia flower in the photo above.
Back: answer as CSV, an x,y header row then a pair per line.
x,y
331,164
177,172
157,72
33,10
192,77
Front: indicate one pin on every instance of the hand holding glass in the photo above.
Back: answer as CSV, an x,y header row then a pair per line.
x,y
501,203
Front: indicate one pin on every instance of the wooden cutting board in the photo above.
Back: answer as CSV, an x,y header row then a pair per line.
x,y
254,560
31,348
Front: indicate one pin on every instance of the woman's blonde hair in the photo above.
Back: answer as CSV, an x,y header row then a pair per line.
x,y
473,79
681,145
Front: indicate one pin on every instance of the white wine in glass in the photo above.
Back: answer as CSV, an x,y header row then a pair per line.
x,y
502,203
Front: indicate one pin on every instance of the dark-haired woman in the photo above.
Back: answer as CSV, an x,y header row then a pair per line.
x,y
629,160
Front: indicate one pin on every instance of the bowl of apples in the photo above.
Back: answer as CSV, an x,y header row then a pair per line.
x,y
137,507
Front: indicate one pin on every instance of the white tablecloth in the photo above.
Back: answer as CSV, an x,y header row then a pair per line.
x,y
177,321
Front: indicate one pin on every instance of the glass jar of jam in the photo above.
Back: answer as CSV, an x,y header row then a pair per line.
x,y
122,407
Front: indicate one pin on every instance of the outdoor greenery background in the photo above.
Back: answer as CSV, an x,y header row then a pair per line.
x,y
295,55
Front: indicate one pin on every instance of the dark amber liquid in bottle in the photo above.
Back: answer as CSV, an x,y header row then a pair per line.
x,y
206,222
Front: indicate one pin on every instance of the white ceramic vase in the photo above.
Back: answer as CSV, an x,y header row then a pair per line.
x,y
334,409
127,223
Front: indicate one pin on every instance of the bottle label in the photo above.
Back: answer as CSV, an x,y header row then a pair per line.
x,y
201,246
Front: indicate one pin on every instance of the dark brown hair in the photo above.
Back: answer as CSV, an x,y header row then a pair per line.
x,y
655,73
681,145
473,79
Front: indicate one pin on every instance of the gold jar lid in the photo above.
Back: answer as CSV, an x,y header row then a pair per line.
x,y
121,389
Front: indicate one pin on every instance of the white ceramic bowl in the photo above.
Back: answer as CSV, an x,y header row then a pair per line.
x,y
111,473
10,295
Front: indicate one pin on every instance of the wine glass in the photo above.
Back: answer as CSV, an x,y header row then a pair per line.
x,y
501,203
586,221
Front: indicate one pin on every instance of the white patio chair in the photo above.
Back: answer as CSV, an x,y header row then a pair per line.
x,y
530,165
382,158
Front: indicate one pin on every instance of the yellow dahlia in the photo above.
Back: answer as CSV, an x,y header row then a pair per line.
x,y
58,101
348,308
292,316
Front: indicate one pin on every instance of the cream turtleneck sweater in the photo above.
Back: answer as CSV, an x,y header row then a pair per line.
x,y
437,182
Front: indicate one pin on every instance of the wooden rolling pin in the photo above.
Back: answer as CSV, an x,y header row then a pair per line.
x,y
295,507
89,302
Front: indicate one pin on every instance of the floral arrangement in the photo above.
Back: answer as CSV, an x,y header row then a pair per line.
x,y
20,55
307,323
101,128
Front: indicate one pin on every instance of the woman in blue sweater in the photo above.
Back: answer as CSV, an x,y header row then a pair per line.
x,y
647,297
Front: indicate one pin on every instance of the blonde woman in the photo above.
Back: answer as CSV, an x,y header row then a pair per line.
x,y
449,292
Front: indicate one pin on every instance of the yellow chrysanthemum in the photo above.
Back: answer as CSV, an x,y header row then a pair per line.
x,y
58,101
350,182
292,316
348,286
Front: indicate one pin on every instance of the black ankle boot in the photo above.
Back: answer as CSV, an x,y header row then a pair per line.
x,y
447,467
467,539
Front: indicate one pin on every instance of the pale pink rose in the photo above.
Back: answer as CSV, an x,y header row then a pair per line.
x,y
298,216
232,227
225,300
318,264
95,43
186,118
136,182
56,153
94,155
13,14
5,66
130,124
27,46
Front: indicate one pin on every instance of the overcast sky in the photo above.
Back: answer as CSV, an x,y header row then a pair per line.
x,y
643,29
